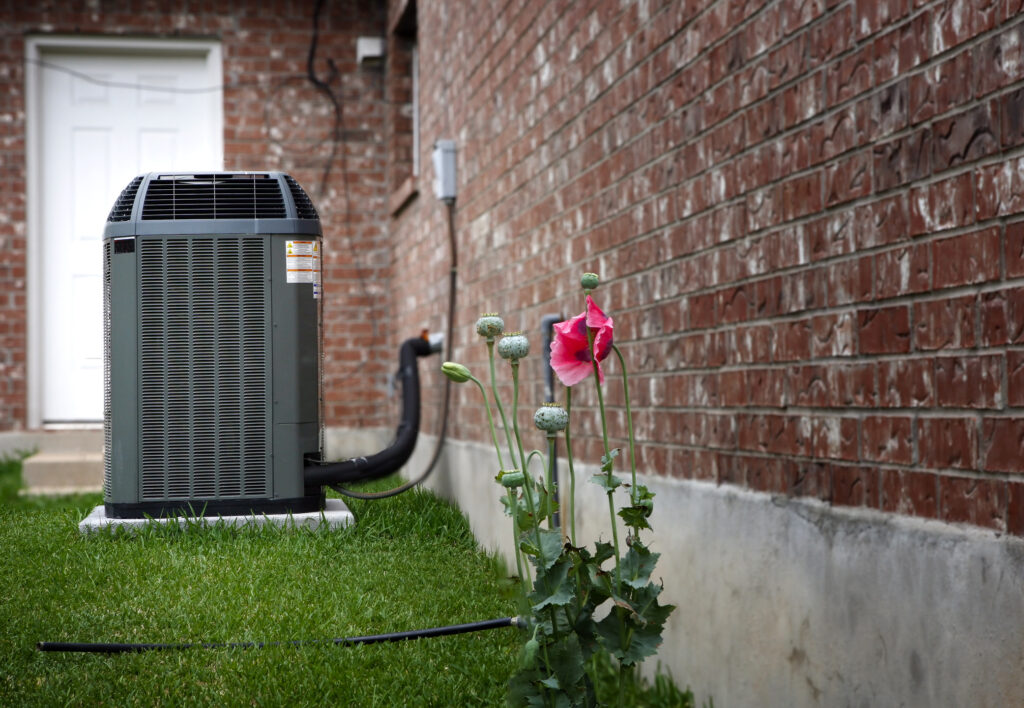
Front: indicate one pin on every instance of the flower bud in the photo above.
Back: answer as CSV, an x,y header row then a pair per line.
x,y
513,346
589,281
489,325
512,478
456,372
551,418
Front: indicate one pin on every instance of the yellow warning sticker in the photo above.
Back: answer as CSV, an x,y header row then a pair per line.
x,y
302,261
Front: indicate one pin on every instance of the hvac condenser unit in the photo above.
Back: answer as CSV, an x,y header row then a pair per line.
x,y
211,350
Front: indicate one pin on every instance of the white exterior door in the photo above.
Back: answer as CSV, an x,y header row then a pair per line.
x,y
103,117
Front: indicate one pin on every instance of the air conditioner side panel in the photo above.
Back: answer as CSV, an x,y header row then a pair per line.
x,y
122,487
295,369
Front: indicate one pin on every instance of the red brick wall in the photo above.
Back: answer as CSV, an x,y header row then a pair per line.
x,y
808,217
273,119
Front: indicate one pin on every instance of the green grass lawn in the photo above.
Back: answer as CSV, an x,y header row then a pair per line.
x,y
410,562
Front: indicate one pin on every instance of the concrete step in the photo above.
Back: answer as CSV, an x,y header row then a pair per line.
x,y
63,472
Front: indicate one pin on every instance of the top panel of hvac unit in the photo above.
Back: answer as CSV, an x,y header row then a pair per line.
x,y
162,203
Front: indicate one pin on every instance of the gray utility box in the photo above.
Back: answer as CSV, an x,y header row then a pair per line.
x,y
211,345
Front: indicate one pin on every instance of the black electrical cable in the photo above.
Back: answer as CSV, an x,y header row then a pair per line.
x,y
442,434
122,648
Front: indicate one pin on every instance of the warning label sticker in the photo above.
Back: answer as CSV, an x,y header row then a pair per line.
x,y
302,260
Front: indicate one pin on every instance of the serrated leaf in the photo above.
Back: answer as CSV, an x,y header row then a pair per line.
x,y
637,565
635,516
609,459
550,549
607,482
551,682
551,588
603,551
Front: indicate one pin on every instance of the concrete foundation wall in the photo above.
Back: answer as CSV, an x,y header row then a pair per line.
x,y
790,602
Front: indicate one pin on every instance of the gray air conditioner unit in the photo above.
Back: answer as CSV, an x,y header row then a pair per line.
x,y
211,346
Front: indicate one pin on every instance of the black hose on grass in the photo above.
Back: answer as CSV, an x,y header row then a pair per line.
x,y
117,648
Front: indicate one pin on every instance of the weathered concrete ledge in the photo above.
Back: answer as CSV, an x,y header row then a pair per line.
x,y
791,602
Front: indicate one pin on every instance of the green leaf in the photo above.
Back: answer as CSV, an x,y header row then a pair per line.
x,y
608,460
637,566
635,516
603,551
551,545
551,588
632,630
568,665
607,482
551,682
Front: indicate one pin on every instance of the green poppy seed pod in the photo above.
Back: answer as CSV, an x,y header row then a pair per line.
x,y
512,478
456,372
551,418
489,325
589,281
530,651
513,346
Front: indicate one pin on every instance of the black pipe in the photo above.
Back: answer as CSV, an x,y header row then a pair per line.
x,y
391,458
116,648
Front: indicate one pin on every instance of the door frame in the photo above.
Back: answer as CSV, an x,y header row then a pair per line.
x,y
35,47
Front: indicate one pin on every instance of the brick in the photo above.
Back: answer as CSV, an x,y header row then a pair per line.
x,y
969,381
851,281
834,438
752,345
944,324
1015,378
873,16
903,160
1002,445
809,386
951,24
902,271
1011,118
849,76
1000,189
766,474
810,479
965,137
1002,317
887,439
906,492
884,330
944,443
792,341
981,502
940,88
765,388
833,335
943,205
882,222
906,383
889,109
847,179
999,60
853,385
1015,508
967,259
855,486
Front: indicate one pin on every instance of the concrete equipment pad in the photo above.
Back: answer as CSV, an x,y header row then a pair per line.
x,y
335,515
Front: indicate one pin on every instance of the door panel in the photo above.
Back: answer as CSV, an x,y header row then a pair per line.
x,y
104,119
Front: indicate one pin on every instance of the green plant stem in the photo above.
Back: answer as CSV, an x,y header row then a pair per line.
x,y
490,421
515,415
604,436
528,480
572,472
516,462
552,492
629,422
513,506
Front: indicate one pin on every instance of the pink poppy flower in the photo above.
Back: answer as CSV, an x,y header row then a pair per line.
x,y
570,351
